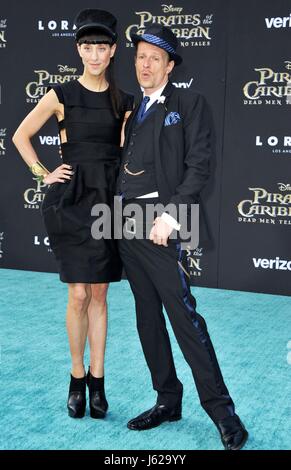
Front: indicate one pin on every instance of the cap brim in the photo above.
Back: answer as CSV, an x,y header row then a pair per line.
x,y
95,26
136,38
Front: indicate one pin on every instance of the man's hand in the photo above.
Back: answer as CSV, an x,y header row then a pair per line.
x,y
160,232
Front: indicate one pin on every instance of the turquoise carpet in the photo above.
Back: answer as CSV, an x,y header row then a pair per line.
x,y
250,333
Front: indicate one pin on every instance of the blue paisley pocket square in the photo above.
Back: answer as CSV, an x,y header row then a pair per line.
x,y
172,118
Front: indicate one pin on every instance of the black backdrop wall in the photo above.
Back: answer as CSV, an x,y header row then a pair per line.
x,y
237,53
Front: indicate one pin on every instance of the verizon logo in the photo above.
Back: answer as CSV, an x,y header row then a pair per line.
x,y
277,263
49,140
183,84
284,22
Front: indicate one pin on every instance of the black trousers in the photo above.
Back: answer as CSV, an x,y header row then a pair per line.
x,y
158,276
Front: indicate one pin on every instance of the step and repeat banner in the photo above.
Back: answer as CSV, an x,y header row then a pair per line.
x,y
255,212
235,53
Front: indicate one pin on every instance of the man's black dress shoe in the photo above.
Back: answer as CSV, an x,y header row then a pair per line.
x,y
76,403
98,403
154,417
233,433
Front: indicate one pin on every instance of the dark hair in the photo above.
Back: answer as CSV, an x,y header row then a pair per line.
x,y
115,96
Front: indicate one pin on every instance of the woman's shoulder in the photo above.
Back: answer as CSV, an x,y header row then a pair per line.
x,y
63,90
127,99
125,94
66,87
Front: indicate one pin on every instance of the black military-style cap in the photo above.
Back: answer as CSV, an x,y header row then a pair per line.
x,y
95,21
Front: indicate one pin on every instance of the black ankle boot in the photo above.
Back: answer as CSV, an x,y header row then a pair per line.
x,y
98,402
77,397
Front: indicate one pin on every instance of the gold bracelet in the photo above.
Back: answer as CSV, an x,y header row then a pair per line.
x,y
39,171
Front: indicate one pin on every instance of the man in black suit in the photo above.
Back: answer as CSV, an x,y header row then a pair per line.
x,y
166,160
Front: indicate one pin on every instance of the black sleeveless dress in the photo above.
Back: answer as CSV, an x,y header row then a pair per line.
x,y
93,150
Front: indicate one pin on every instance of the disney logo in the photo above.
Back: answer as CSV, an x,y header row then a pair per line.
x,y
171,8
65,68
284,187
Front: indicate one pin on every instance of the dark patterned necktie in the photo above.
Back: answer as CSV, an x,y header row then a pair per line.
x,y
142,108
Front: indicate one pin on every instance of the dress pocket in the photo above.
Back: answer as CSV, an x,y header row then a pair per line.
x,y
53,224
50,197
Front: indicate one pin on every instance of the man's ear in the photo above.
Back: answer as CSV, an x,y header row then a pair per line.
x,y
170,66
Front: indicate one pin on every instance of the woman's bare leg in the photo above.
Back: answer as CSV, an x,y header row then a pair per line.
x,y
77,324
97,331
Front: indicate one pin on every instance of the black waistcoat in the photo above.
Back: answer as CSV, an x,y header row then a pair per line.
x,y
139,155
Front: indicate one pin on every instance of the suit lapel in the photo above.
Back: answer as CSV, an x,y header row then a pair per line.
x,y
159,122
160,113
162,110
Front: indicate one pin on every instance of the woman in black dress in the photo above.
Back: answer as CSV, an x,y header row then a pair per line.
x,y
91,112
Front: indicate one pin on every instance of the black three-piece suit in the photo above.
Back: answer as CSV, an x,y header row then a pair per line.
x,y
168,151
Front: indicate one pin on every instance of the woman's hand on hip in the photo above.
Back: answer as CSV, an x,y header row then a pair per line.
x,y
59,175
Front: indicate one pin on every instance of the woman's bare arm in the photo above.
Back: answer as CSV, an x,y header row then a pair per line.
x,y
46,107
126,116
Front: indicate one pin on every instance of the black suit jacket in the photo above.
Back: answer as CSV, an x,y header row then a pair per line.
x,y
182,150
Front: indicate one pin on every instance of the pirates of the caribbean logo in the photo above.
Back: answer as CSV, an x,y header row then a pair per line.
x,y
193,260
33,197
2,141
192,29
37,88
3,40
267,207
1,240
269,87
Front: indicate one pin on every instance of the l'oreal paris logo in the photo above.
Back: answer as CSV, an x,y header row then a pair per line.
x,y
57,27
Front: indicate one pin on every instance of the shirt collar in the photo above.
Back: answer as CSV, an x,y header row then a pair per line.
x,y
154,96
